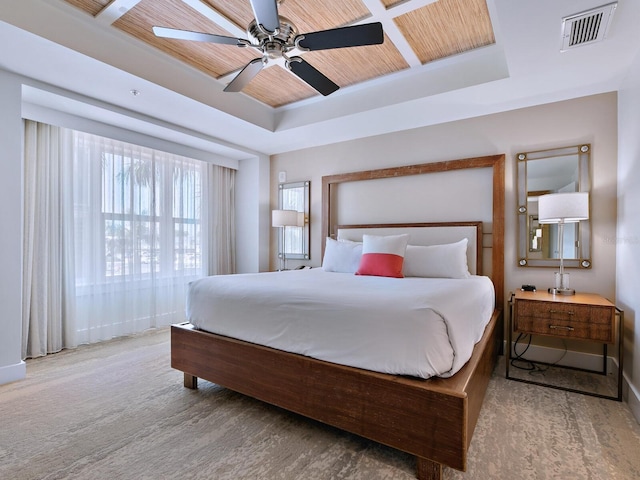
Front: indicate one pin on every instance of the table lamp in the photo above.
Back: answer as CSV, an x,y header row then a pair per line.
x,y
561,208
283,219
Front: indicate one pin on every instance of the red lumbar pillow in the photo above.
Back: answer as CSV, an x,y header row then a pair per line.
x,y
383,256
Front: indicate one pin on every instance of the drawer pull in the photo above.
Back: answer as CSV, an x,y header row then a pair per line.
x,y
561,327
570,312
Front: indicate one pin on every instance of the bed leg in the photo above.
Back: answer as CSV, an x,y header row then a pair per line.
x,y
428,470
190,381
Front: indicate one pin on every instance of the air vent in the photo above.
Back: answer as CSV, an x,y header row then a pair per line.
x,y
587,27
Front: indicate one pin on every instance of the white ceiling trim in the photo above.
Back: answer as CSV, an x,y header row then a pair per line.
x,y
56,99
391,29
115,10
216,17
406,7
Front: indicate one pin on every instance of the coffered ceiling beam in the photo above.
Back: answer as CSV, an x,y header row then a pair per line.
x,y
115,10
216,17
386,16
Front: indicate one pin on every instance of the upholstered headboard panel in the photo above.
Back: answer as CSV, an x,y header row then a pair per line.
x,y
493,227
426,234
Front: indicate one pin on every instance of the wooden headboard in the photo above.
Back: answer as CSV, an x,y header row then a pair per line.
x,y
426,234
493,231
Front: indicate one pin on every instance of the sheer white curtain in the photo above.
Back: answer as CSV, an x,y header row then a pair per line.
x,y
48,300
139,238
140,231
222,228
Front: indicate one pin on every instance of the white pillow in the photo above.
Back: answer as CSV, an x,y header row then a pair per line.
x,y
341,257
382,256
442,261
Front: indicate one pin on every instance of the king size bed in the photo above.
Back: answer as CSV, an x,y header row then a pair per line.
x,y
358,359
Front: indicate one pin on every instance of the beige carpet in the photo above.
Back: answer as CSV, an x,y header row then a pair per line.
x,y
118,411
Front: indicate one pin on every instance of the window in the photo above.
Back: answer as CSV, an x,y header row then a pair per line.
x,y
114,232
139,235
149,206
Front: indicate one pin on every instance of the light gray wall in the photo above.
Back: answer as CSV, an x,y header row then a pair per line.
x,y
584,120
627,238
11,366
54,117
252,215
591,120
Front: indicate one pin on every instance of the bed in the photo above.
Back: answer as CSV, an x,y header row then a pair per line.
x,y
432,419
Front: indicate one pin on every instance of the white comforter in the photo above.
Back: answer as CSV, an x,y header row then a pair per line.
x,y
409,326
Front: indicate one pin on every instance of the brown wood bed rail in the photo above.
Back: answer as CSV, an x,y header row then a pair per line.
x,y
432,419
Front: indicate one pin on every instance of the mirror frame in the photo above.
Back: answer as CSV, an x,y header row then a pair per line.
x,y
584,230
306,249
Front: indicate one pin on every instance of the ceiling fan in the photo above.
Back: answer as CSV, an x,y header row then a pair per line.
x,y
275,36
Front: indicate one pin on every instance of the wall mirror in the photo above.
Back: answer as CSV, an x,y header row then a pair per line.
x,y
294,244
552,171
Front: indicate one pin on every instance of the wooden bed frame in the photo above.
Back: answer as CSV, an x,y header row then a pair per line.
x,y
432,419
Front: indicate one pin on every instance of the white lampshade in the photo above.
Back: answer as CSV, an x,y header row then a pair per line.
x,y
563,207
301,219
284,218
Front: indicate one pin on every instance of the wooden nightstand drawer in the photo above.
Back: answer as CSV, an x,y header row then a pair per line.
x,y
599,332
570,320
555,311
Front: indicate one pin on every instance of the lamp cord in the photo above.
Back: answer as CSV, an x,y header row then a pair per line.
x,y
531,366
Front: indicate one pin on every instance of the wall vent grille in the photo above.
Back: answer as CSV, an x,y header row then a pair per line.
x,y
587,27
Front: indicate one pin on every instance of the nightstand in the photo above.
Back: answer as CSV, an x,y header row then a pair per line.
x,y
584,316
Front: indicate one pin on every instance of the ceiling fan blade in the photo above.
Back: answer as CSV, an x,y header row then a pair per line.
x,y
266,14
166,32
312,76
249,71
353,36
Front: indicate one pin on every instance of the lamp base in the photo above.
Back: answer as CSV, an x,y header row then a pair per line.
x,y
561,291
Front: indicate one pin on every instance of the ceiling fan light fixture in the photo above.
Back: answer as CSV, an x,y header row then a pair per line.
x,y
274,50
275,36
286,32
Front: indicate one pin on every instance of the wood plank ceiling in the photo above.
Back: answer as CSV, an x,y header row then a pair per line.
x,y
416,32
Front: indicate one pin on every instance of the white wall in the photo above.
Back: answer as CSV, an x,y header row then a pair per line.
x,y
585,120
11,366
627,238
252,215
55,117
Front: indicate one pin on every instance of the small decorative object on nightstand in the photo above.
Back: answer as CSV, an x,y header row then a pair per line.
x,y
584,316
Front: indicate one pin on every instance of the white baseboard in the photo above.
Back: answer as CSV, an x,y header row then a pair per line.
x,y
12,373
632,397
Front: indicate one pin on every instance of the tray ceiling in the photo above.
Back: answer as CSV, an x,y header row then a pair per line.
x,y
417,32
